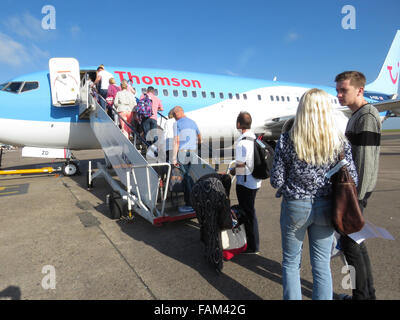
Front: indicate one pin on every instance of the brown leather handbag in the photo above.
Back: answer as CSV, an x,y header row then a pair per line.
x,y
347,216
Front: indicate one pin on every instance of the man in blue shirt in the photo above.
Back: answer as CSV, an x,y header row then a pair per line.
x,y
186,138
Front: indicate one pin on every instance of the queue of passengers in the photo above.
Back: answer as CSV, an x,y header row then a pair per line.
x,y
303,156
123,99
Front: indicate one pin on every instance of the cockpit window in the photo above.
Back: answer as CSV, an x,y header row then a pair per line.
x,y
30,86
3,85
13,87
19,86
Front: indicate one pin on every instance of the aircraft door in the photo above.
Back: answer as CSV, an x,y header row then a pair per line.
x,y
64,81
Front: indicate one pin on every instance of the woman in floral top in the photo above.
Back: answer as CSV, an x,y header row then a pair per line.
x,y
303,156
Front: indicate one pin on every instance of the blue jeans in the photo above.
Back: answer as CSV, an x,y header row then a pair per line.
x,y
103,93
149,125
297,217
186,158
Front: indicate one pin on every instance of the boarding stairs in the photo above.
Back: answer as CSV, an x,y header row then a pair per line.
x,y
143,184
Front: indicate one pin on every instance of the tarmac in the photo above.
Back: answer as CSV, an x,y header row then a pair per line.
x,y
57,242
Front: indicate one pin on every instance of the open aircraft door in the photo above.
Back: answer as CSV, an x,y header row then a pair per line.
x,y
64,81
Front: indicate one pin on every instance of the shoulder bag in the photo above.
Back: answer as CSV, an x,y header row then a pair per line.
x,y
347,216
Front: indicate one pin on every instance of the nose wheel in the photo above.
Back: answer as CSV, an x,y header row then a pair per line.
x,y
70,169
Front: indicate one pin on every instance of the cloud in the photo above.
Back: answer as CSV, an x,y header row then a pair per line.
x,y
11,52
16,54
75,30
246,56
242,61
292,36
28,27
231,73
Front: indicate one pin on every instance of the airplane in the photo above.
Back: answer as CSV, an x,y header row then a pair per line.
x,y
29,116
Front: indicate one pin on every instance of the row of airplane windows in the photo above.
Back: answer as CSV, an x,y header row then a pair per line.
x,y
16,87
221,95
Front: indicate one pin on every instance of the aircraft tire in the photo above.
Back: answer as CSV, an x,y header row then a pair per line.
x,y
70,169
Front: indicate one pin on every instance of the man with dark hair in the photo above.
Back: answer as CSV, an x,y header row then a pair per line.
x,y
246,185
364,133
356,78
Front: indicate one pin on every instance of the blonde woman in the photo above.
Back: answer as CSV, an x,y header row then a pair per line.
x,y
303,156
125,102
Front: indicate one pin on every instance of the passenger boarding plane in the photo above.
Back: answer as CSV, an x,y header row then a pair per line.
x,y
30,117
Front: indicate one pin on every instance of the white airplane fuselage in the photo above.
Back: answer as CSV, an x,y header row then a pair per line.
x,y
28,116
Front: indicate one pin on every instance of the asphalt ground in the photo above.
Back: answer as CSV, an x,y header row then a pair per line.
x,y
57,242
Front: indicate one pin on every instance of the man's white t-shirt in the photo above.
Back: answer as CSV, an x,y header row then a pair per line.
x,y
244,152
169,134
105,79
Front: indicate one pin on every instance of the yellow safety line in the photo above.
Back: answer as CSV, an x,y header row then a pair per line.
x,y
22,171
3,193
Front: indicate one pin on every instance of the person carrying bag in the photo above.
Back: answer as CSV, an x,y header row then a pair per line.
x,y
303,157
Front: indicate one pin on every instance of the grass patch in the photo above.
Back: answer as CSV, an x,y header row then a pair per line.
x,y
391,130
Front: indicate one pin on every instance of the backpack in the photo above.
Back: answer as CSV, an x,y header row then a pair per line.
x,y
263,157
144,108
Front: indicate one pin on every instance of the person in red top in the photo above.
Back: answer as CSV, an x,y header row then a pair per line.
x,y
111,93
150,123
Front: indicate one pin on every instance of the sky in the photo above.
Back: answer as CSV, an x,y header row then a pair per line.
x,y
296,41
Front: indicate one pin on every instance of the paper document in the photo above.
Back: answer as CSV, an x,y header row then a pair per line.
x,y
370,231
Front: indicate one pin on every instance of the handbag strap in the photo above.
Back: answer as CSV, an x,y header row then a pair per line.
x,y
342,162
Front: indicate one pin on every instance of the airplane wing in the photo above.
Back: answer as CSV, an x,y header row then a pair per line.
x,y
389,105
274,127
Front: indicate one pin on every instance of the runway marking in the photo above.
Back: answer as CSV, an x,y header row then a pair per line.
x,y
14,189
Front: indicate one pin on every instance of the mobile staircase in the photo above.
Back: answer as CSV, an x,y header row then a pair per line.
x,y
142,186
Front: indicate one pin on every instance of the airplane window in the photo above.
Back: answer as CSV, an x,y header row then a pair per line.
x,y
298,99
184,93
221,95
156,92
28,86
237,96
244,96
277,98
288,99
203,94
259,97
272,98
283,98
175,92
194,94
144,90
165,92
230,95
3,85
212,94
13,87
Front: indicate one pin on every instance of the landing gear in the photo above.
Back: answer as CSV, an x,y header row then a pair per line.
x,y
70,169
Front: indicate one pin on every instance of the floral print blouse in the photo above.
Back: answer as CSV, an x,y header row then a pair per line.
x,y
297,179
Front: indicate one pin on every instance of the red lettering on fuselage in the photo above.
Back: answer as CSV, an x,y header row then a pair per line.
x,y
164,81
